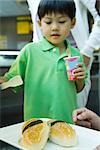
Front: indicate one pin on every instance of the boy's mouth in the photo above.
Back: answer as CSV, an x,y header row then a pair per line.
x,y
55,35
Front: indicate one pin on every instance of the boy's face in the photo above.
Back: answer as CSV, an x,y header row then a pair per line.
x,y
56,27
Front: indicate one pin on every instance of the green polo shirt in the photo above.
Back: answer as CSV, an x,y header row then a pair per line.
x,y
47,91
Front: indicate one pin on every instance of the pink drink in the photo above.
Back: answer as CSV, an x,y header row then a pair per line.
x,y
71,64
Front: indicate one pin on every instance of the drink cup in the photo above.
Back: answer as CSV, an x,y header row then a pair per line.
x,y
71,64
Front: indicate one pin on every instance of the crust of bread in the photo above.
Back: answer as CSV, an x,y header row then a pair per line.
x,y
62,134
36,136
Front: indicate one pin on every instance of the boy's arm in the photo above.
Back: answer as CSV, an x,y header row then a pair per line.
x,y
81,75
80,85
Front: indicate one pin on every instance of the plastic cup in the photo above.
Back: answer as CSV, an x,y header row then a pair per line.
x,y
71,64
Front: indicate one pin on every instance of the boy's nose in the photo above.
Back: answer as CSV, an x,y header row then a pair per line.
x,y
55,26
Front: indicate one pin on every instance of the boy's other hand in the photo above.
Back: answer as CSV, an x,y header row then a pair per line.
x,y
80,72
2,79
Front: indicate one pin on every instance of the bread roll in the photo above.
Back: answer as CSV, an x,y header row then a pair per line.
x,y
35,134
62,133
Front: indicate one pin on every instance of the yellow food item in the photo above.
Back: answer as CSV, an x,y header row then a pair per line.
x,y
35,134
62,133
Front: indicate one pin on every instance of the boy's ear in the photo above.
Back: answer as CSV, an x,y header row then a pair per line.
x,y
39,23
73,22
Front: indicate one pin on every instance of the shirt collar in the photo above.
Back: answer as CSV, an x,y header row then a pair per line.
x,y
46,45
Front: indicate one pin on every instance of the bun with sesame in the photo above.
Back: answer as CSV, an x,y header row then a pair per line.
x,y
62,133
35,133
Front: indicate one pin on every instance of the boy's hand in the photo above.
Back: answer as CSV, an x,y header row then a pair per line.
x,y
2,79
79,72
80,75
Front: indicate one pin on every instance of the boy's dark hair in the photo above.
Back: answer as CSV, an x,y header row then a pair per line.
x,y
56,6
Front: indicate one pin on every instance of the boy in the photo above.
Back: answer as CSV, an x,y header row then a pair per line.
x,y
47,91
86,44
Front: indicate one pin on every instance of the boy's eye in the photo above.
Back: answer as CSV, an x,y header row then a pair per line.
x,y
62,21
48,22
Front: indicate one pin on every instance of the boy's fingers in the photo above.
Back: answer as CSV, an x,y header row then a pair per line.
x,y
2,79
80,65
79,73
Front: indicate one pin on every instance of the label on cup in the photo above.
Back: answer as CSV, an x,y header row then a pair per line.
x,y
71,64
